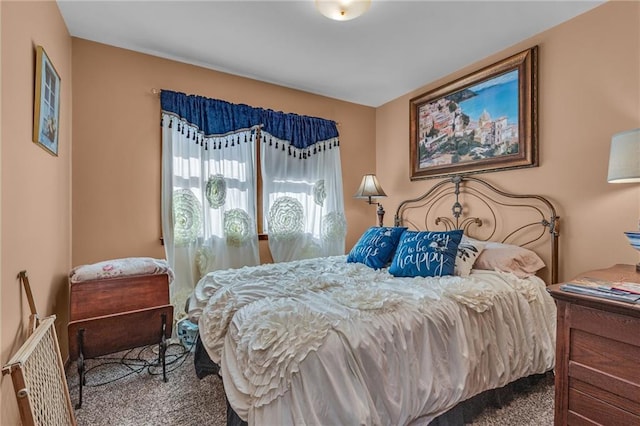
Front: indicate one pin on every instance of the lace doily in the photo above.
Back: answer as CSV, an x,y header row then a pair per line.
x,y
286,217
238,227
216,191
187,216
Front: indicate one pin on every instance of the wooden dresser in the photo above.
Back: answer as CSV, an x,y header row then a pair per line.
x,y
597,355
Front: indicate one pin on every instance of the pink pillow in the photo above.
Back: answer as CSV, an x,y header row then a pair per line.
x,y
520,261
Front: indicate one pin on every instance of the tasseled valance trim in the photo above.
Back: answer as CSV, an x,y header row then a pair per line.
x,y
317,148
240,136
219,141
216,118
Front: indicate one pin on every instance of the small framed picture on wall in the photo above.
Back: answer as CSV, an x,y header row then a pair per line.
x,y
46,116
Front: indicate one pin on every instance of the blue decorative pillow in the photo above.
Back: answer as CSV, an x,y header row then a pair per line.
x,y
376,246
426,254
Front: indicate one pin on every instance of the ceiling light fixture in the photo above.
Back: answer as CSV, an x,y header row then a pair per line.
x,y
342,10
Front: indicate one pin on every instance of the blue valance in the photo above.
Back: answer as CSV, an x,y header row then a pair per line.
x,y
214,117
301,131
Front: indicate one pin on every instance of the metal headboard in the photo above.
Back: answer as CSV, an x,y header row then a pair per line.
x,y
486,213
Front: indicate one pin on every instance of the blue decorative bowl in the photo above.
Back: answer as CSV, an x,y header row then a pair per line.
x,y
634,239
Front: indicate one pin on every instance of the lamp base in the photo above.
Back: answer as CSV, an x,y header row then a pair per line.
x,y
380,213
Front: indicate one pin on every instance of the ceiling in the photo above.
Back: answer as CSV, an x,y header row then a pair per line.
x,y
394,48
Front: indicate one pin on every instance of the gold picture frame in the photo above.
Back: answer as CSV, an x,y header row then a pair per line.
x,y
482,122
46,115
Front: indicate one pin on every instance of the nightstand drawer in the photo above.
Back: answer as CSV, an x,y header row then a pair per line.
x,y
583,406
601,323
610,358
625,399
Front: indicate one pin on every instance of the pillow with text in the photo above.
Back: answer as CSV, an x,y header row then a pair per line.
x,y
426,254
376,246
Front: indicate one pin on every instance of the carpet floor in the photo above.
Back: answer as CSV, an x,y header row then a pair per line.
x,y
130,391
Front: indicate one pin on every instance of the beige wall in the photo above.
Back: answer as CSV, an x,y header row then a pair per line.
x,y
116,149
4,387
36,186
589,72
589,89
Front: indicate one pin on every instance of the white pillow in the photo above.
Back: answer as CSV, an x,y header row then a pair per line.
x,y
468,252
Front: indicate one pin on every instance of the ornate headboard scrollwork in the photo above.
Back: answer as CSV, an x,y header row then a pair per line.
x,y
485,212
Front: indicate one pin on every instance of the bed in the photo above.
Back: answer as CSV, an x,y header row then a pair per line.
x,y
334,341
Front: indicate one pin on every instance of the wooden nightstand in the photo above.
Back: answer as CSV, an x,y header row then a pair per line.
x,y
597,355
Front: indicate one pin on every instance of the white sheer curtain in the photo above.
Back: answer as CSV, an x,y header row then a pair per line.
x,y
208,202
303,203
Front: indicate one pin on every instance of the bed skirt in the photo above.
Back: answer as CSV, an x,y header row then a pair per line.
x,y
461,414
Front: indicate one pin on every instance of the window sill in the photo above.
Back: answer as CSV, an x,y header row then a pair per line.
x,y
261,237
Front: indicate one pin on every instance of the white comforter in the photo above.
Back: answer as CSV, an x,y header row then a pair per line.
x,y
326,342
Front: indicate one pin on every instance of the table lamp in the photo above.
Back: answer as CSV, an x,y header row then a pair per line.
x,y
624,167
370,188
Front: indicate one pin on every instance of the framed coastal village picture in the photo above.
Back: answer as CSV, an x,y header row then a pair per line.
x,y
46,109
485,121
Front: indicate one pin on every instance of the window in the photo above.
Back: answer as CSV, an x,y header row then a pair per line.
x,y
233,171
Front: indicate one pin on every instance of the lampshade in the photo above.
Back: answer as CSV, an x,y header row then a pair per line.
x,y
369,187
624,159
342,10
